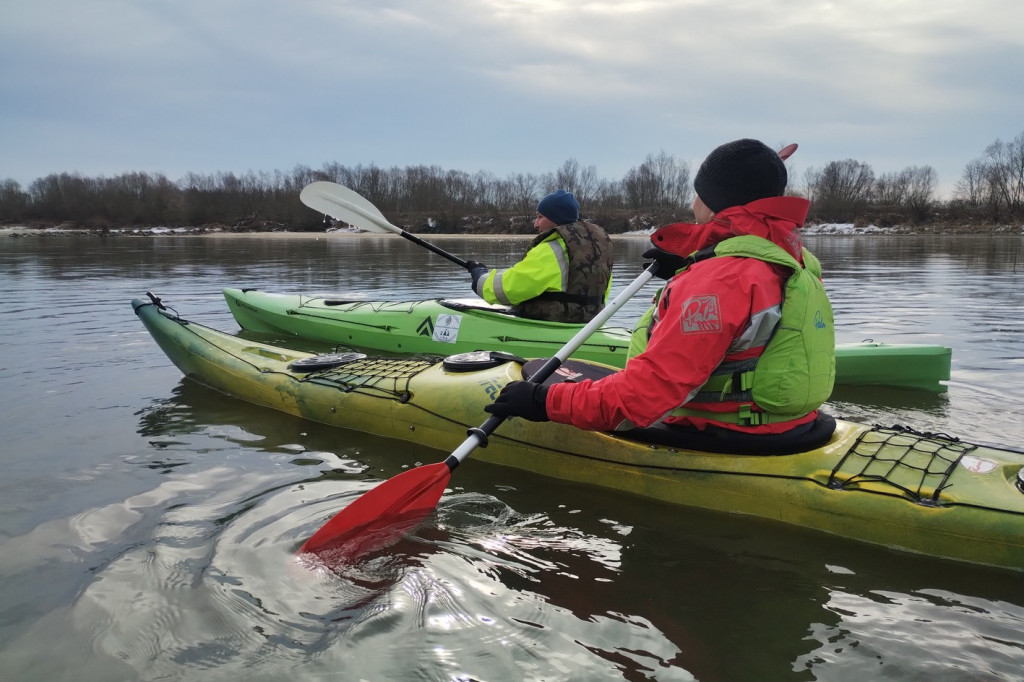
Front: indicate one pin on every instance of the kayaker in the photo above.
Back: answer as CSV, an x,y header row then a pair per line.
x,y
717,318
566,273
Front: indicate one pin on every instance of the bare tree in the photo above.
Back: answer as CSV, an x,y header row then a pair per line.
x,y
1006,172
841,188
891,189
920,195
567,177
995,182
587,185
912,189
519,192
13,201
972,186
609,195
659,182
580,180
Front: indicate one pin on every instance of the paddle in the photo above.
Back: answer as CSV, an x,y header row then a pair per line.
x,y
416,492
342,203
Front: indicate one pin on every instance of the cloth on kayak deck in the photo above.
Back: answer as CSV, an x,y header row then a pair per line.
x,y
706,313
565,276
570,370
804,437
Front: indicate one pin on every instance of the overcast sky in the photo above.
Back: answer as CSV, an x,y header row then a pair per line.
x,y
103,87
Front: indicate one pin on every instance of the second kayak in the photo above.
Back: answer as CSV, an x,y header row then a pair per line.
x,y
449,326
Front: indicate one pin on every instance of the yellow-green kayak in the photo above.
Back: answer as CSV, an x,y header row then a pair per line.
x,y
888,486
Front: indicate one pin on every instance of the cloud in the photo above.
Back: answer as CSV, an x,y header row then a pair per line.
x,y
174,86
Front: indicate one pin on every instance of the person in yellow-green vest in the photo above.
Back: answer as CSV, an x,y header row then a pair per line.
x,y
566,273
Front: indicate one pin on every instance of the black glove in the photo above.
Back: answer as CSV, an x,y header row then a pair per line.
x,y
521,399
476,271
667,263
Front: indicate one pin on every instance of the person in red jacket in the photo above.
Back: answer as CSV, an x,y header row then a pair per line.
x,y
716,312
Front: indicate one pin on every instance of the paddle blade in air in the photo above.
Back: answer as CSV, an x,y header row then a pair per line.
x,y
344,204
413,491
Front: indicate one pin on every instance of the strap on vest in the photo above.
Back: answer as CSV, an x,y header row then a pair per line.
x,y
743,416
730,382
563,297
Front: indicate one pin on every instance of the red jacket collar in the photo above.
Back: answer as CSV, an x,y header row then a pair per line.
x,y
776,218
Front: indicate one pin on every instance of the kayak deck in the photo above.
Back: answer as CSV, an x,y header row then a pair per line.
x,y
446,326
894,487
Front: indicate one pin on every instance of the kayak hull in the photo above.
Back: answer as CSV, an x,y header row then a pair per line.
x,y
889,487
446,326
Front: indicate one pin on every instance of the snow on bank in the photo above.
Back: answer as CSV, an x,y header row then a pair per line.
x,y
17,230
837,229
849,229
822,228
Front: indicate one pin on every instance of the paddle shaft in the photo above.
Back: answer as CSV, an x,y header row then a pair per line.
x,y
436,249
478,436
420,489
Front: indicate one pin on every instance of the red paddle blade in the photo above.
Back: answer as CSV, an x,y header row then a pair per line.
x,y
354,545
787,151
401,497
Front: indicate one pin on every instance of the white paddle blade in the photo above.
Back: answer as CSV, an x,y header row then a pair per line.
x,y
345,205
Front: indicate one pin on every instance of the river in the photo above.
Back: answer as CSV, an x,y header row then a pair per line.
x,y
144,520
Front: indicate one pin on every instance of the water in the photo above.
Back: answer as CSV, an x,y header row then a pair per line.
x,y
147,524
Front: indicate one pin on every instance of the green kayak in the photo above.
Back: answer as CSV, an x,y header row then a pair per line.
x,y
447,326
894,486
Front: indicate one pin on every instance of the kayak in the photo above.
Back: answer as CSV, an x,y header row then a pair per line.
x,y
895,487
451,326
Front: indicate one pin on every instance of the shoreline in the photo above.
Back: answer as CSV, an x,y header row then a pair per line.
x,y
826,229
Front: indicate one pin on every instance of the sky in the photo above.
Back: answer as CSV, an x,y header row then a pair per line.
x,y
104,87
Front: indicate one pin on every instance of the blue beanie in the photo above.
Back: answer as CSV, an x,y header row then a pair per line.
x,y
560,207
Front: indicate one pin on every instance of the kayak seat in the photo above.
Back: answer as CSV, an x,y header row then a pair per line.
x,y
712,439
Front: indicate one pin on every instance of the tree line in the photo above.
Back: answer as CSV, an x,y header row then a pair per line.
x,y
991,189
434,199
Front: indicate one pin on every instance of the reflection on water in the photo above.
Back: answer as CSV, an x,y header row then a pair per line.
x,y
944,635
148,524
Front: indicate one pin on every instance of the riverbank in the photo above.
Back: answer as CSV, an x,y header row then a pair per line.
x,y
223,231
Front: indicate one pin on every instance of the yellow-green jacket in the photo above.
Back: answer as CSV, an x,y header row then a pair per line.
x,y
565,275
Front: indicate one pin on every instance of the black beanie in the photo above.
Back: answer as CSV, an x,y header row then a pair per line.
x,y
740,172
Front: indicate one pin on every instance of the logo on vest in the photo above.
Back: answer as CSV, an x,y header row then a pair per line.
x,y
701,314
819,321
